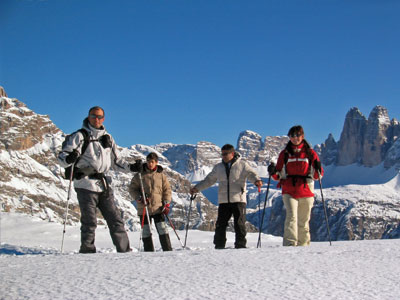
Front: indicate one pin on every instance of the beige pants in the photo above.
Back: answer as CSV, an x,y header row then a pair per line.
x,y
297,228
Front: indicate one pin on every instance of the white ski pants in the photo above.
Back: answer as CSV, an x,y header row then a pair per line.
x,y
298,213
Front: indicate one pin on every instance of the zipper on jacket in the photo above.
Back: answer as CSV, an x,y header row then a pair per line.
x,y
228,172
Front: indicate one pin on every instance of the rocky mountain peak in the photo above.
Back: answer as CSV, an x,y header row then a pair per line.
x,y
14,106
364,141
351,140
249,143
2,92
379,115
375,137
20,127
328,150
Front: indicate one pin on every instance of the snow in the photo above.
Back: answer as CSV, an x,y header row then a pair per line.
x,y
32,267
356,174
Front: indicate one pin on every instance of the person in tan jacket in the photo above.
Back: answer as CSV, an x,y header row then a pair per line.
x,y
231,174
158,195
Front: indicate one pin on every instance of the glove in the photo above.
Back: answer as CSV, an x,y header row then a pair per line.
x,y
271,169
317,166
105,141
137,166
165,209
72,157
141,199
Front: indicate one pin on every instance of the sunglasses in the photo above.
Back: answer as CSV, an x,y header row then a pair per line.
x,y
96,117
225,153
295,135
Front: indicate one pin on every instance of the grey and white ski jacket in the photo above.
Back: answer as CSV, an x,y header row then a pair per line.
x,y
233,188
96,158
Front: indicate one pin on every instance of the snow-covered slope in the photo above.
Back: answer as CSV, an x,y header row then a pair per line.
x,y
32,268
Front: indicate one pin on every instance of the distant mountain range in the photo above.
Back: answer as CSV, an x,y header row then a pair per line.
x,y
367,154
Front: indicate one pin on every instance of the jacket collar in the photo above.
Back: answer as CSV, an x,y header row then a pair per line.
x,y
95,132
147,170
234,159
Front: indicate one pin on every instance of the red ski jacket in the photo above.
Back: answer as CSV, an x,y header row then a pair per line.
x,y
295,170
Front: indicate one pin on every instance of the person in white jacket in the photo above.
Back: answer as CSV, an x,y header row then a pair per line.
x,y
92,151
231,174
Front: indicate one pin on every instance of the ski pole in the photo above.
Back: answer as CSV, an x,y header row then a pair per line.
x,y
141,229
66,209
192,197
263,214
144,202
173,227
259,207
325,211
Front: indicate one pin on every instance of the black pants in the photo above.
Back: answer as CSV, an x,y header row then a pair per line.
x,y
88,202
225,212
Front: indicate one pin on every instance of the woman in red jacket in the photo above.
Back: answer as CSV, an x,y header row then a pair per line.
x,y
297,167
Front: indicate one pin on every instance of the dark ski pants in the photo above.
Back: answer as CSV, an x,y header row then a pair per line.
x,y
159,221
225,212
88,202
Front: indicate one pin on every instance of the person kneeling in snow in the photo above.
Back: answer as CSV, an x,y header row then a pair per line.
x,y
297,167
158,197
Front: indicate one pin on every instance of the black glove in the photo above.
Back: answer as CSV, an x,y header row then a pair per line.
x,y
271,169
72,157
105,141
317,166
137,166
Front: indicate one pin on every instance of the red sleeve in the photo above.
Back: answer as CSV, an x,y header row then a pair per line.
x,y
314,158
279,165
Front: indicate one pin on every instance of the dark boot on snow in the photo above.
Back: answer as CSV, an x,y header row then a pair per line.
x,y
165,242
148,244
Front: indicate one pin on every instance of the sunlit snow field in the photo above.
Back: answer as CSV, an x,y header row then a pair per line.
x,y
32,267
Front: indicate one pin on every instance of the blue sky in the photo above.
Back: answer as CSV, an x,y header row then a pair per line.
x,y
193,70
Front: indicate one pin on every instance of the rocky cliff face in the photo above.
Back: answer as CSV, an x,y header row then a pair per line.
x,y
21,128
251,146
192,161
367,142
2,92
376,140
351,140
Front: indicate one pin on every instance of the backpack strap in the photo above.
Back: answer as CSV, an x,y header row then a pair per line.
x,y
86,139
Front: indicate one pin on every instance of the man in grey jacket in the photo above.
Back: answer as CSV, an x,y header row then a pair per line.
x,y
99,155
231,174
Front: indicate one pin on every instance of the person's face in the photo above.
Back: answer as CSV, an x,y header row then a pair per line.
x,y
96,118
296,138
227,156
151,164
